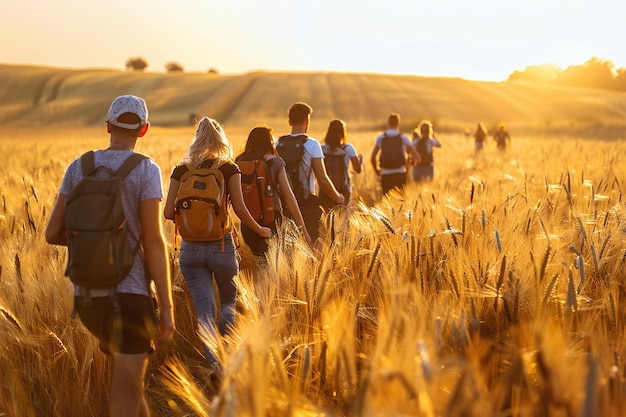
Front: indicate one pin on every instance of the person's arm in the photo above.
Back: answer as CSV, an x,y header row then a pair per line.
x,y
326,185
374,161
55,229
288,197
156,261
414,155
239,206
435,143
357,162
170,203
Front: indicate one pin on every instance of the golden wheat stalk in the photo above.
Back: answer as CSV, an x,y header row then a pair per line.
x,y
581,226
10,318
580,263
604,245
613,309
595,259
18,272
59,341
305,372
549,289
373,261
29,217
498,242
571,302
177,379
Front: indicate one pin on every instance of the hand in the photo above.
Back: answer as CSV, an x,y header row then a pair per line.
x,y
166,325
266,232
341,199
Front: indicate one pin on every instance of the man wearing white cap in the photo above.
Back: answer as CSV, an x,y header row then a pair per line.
x,y
124,325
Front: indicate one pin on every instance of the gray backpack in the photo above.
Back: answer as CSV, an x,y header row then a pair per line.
x,y
99,253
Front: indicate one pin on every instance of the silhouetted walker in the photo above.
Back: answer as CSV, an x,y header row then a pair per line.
x,y
424,142
480,136
305,164
202,261
124,321
502,138
260,146
393,147
338,155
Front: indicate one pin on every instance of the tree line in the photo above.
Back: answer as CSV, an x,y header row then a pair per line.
x,y
139,64
594,73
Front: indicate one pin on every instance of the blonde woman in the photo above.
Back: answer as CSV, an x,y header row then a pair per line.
x,y
203,261
424,141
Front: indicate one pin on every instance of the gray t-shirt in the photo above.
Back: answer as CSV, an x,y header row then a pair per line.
x,y
142,183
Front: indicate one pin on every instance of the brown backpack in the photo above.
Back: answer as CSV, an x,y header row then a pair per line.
x,y
201,209
258,191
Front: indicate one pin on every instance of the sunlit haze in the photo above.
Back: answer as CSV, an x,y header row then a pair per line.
x,y
482,40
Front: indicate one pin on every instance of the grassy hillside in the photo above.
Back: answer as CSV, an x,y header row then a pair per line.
x,y
40,96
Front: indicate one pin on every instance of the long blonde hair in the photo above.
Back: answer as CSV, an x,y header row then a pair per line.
x,y
210,141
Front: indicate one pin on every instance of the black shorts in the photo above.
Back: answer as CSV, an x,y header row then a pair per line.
x,y
391,181
138,323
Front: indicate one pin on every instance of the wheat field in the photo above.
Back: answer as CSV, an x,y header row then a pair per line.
x,y
495,290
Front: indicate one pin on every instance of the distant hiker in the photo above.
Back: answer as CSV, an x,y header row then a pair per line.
x,y
502,138
303,156
424,142
202,188
338,155
265,188
122,317
480,136
393,147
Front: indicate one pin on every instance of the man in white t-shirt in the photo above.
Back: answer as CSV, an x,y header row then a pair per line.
x,y
393,147
124,324
305,164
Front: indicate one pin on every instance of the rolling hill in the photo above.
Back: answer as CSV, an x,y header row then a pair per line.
x,y
40,96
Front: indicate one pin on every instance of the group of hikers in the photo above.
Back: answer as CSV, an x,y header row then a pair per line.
x,y
501,137
108,213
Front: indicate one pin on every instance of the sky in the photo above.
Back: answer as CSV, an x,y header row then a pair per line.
x,y
471,39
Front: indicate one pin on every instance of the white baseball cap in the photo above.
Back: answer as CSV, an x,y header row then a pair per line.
x,y
128,104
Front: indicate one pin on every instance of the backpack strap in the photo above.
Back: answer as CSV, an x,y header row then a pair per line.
x,y
301,137
87,163
129,164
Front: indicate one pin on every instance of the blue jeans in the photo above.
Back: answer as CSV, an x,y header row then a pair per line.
x,y
200,263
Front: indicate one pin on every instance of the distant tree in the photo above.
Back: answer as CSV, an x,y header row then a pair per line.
x,y
136,64
173,67
595,73
620,79
213,71
544,73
